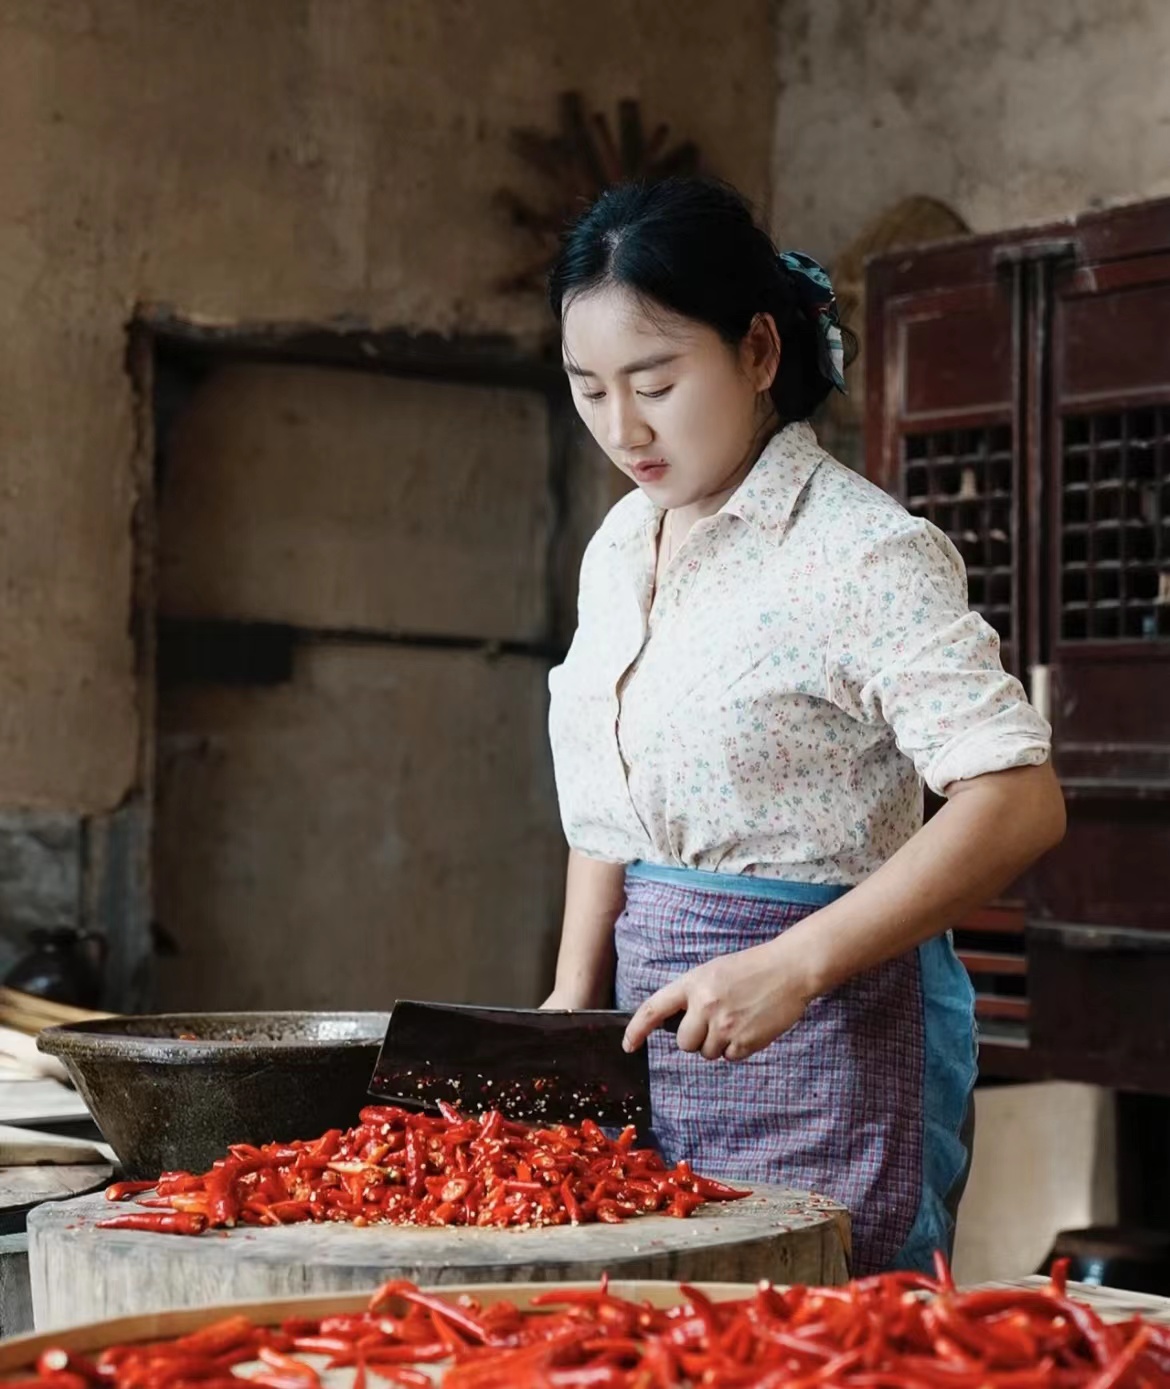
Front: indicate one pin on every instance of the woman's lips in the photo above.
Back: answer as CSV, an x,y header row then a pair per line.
x,y
650,471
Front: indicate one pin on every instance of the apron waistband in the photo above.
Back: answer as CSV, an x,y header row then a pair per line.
x,y
739,884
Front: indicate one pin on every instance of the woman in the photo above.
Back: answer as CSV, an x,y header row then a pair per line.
x,y
771,657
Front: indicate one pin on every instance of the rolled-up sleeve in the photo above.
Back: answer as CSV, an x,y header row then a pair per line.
x,y
907,651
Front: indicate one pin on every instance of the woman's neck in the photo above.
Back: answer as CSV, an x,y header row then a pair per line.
x,y
686,516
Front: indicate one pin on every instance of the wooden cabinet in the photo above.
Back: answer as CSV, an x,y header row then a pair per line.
x,y
1018,395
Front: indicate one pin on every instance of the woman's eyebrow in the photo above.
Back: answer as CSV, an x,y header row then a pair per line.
x,y
643,364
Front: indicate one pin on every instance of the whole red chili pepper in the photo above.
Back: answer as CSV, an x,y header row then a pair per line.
x,y
886,1332
456,1316
158,1222
219,1336
119,1191
717,1191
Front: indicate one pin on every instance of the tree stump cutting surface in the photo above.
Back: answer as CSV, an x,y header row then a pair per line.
x,y
80,1273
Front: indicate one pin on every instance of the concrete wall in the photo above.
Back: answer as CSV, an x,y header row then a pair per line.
x,y
380,822
283,159
354,501
382,826
1011,111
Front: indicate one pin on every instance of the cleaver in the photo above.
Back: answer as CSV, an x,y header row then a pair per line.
x,y
535,1066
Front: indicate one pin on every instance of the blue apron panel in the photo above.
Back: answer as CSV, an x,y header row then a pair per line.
x,y
740,885
948,1001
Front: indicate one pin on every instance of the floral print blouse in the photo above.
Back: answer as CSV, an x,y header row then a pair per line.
x,y
807,662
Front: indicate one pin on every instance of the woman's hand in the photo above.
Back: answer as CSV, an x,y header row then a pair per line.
x,y
735,1005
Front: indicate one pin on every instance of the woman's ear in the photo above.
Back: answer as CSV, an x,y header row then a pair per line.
x,y
760,351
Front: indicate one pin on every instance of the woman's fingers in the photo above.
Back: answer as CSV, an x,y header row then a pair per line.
x,y
712,1023
692,1031
654,1012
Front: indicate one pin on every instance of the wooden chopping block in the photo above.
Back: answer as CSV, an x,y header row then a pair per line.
x,y
80,1273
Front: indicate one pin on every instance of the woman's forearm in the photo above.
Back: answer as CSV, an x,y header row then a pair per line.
x,y
991,829
594,897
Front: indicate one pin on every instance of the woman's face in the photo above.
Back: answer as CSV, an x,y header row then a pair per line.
x,y
673,405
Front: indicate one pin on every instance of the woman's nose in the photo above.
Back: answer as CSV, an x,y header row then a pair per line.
x,y
627,428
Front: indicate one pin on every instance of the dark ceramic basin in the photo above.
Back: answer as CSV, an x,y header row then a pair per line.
x,y
164,1103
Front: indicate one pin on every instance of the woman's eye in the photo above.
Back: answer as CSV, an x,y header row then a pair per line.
x,y
592,395
656,395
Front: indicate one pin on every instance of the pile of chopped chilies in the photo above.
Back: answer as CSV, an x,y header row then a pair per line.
x,y
892,1331
403,1168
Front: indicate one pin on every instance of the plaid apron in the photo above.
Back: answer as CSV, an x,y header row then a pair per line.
x,y
836,1105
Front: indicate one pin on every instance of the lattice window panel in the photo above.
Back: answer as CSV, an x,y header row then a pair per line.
x,y
961,480
1115,526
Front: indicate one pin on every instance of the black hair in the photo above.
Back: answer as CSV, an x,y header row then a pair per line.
x,y
692,246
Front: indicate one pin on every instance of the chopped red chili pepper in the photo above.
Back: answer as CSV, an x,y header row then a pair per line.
x,y
406,1168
